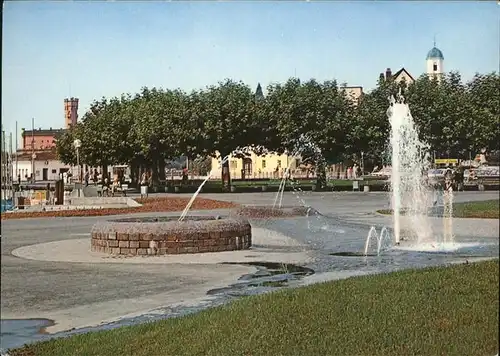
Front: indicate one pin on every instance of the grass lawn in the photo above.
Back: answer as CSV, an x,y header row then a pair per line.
x,y
487,209
434,311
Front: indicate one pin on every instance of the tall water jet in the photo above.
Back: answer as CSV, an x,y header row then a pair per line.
x,y
409,161
448,211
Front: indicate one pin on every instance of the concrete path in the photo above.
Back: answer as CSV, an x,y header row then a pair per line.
x,y
89,291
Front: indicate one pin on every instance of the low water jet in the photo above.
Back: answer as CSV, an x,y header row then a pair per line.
x,y
384,235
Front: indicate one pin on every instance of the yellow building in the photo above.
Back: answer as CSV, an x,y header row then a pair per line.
x,y
254,166
353,92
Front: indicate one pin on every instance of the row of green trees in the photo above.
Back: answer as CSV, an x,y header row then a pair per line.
x,y
155,125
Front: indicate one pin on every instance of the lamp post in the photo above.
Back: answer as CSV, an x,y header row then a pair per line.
x,y
77,143
33,158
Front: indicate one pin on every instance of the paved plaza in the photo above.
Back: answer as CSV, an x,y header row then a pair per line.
x,y
90,291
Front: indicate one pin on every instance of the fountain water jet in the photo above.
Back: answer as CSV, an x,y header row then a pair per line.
x,y
409,161
191,201
384,235
304,143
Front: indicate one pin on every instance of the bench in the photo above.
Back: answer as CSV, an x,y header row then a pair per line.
x,y
123,189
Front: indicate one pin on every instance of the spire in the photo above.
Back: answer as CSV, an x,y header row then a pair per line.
x,y
434,40
259,95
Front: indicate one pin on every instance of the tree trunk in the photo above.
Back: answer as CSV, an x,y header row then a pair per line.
x,y
134,177
161,170
226,177
104,171
154,174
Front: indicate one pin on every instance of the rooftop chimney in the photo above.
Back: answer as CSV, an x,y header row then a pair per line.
x,y
388,74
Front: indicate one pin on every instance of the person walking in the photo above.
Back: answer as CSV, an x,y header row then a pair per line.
x,y
86,178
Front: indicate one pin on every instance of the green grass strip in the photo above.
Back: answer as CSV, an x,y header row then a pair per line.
x,y
487,209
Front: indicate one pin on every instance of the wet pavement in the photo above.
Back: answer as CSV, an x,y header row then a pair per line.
x,y
336,240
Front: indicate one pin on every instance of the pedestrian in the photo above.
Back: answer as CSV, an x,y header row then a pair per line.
x,y
184,175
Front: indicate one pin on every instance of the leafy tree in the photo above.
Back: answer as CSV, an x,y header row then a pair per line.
x,y
370,127
104,135
65,144
441,110
224,114
319,111
158,128
483,92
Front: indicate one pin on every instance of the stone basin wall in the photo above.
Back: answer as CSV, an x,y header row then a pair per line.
x,y
161,236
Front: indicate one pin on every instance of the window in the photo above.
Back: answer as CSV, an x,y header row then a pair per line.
x,y
263,163
435,67
279,163
54,171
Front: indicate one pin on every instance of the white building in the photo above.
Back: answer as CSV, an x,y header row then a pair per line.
x,y
47,167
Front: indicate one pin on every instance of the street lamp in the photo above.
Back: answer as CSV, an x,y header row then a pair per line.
x,y
33,158
77,143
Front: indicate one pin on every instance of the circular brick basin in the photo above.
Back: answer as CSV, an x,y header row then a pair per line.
x,y
263,211
166,235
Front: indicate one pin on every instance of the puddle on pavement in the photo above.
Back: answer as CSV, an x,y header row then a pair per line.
x,y
16,332
352,254
269,276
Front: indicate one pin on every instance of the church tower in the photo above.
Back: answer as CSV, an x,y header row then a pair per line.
x,y
435,61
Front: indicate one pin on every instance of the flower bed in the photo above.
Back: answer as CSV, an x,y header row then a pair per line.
x,y
268,212
165,204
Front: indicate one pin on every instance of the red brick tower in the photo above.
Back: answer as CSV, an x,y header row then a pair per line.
x,y
70,111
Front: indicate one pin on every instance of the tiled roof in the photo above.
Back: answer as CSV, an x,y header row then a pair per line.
x,y
45,155
395,75
42,132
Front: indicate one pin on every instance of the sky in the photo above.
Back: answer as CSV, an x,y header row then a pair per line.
x,y
54,50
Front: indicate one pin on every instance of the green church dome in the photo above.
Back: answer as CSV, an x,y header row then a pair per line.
x,y
435,53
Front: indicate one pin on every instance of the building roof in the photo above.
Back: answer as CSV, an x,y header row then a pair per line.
x,y
259,95
398,73
41,155
435,53
41,132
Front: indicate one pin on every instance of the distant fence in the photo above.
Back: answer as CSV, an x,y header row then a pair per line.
x,y
257,175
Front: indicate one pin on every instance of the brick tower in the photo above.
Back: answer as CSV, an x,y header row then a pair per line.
x,y
70,111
